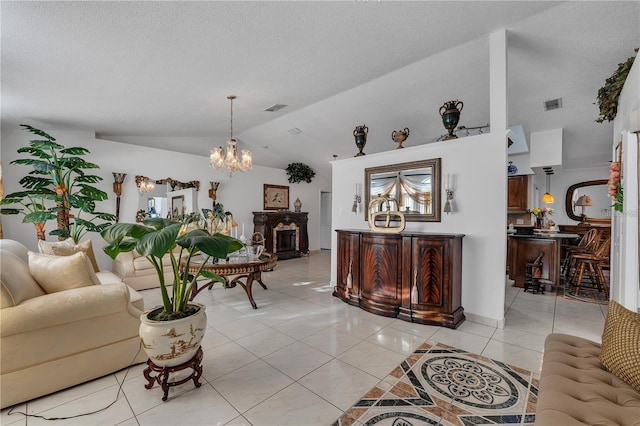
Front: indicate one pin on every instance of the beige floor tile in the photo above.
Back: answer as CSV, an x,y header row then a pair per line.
x,y
339,383
293,406
201,406
373,359
297,360
249,386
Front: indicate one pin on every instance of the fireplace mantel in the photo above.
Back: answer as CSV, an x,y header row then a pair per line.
x,y
285,232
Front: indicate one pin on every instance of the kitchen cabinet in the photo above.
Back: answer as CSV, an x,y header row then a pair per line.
x,y
518,194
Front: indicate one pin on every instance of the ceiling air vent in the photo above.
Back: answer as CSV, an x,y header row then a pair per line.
x,y
274,108
553,104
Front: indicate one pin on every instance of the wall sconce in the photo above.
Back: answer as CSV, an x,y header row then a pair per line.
x,y
144,184
357,199
117,188
212,192
448,188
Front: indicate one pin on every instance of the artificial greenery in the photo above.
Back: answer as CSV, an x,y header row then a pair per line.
x,y
159,237
299,172
59,175
609,93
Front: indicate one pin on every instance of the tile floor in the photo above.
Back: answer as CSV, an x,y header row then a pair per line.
x,y
303,357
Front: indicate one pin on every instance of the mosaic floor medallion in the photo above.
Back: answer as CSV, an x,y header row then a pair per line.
x,y
441,385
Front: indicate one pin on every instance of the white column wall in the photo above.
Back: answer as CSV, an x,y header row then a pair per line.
x,y
241,194
625,277
477,164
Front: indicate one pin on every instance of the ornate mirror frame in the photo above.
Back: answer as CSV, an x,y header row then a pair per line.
x,y
569,202
433,163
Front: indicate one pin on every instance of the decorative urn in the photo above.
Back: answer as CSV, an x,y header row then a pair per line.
x,y
360,133
399,136
450,113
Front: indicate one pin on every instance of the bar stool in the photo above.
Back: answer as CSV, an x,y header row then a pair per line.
x,y
533,274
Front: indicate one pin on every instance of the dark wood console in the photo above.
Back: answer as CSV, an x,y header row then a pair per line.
x,y
285,232
378,271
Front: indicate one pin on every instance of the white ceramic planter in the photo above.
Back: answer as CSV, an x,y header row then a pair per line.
x,y
171,343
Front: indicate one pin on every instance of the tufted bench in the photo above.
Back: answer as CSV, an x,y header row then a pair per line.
x,y
575,389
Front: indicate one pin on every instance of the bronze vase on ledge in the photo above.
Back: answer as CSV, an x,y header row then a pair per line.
x,y
360,133
399,136
450,116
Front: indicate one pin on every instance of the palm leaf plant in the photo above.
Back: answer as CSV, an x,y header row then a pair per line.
x,y
60,171
159,237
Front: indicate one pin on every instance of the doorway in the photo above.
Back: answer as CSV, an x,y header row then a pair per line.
x,y
325,220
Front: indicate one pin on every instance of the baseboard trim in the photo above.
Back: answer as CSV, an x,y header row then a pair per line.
x,y
479,319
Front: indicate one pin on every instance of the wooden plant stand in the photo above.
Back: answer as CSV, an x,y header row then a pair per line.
x,y
163,378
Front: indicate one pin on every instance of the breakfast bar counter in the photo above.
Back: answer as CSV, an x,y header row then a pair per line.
x,y
525,248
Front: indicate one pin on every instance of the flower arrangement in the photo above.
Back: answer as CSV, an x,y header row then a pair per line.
x,y
615,188
541,213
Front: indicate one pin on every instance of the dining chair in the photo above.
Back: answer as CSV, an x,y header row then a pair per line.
x,y
587,244
592,264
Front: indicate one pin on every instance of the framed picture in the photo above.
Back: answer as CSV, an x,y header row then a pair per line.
x,y
276,197
177,206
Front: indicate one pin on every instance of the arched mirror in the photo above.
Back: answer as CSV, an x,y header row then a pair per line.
x,y
415,185
588,202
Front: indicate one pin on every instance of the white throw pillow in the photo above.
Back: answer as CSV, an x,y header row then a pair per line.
x,y
58,273
46,247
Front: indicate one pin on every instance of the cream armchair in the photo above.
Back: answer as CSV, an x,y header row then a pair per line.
x,y
49,342
138,273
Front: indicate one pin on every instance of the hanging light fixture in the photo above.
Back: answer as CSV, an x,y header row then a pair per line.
x,y
144,184
220,160
547,198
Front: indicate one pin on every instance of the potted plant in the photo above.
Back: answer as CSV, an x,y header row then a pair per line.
x,y
170,344
609,93
299,172
58,174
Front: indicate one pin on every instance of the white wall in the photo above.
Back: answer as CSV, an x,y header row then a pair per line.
x,y
478,166
241,194
625,276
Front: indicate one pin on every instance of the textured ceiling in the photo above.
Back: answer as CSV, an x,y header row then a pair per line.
x,y
158,73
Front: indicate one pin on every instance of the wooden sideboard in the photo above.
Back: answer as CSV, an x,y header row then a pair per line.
x,y
285,232
378,271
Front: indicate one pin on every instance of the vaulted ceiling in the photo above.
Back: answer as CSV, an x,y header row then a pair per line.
x,y
158,73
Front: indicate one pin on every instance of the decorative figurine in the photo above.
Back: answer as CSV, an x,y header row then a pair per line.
x,y
400,136
297,205
450,116
360,133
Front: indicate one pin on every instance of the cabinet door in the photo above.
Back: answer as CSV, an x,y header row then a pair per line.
x,y
517,193
381,274
429,271
348,267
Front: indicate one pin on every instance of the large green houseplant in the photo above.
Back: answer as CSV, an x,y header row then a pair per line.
x,y
159,237
58,175
171,334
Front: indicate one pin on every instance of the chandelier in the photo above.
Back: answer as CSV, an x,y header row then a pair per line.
x,y
144,184
220,160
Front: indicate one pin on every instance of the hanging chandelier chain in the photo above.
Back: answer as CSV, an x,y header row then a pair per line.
x,y
231,98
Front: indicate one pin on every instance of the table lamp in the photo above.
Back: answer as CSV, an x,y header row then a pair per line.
x,y
584,201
